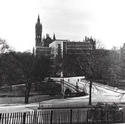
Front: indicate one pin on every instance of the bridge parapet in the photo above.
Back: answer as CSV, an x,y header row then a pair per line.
x,y
71,85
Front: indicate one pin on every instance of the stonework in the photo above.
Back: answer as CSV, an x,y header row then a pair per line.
x,y
52,47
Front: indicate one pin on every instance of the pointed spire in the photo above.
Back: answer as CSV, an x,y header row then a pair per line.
x,y
38,20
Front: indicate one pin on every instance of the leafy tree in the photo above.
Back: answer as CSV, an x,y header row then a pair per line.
x,y
32,69
4,48
71,66
41,68
9,70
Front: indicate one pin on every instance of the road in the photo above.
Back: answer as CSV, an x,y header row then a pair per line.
x,y
100,93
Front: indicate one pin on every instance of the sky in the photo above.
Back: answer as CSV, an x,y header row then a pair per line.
x,y
104,20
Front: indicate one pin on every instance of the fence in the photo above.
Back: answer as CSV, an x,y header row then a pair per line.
x,y
104,117
60,116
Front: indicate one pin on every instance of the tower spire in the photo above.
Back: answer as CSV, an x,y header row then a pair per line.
x,y
38,31
38,19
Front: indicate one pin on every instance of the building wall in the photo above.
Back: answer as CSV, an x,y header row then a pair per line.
x,y
78,47
68,47
43,51
57,47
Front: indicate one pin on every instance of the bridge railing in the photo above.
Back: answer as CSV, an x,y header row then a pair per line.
x,y
73,86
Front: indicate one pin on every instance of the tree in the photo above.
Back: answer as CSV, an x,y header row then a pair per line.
x,y
93,64
87,66
34,69
16,67
71,66
41,68
4,47
24,61
10,73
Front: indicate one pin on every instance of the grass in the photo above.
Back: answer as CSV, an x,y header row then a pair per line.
x,y
20,100
18,96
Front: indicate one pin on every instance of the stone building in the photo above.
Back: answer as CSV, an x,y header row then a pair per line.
x,y
67,47
41,45
52,47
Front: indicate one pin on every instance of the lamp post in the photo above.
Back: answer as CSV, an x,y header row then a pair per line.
x,y
62,84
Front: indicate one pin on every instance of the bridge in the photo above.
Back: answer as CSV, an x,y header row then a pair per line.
x,y
100,92
70,86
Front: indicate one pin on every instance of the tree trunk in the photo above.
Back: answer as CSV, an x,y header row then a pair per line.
x,y
27,92
90,93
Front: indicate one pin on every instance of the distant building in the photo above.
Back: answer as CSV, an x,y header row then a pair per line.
x,y
122,52
38,33
47,40
43,51
52,47
80,47
58,47
41,45
66,47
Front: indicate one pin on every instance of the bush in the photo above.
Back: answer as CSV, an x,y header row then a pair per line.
x,y
49,88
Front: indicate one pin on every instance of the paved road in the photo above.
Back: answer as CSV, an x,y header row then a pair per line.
x,y
100,93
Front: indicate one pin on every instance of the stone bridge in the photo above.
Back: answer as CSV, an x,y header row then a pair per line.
x,y
71,85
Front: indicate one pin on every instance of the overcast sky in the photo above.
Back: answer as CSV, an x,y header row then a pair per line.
x,y
68,19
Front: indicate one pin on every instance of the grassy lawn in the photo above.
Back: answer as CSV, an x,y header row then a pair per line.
x,y
32,99
8,96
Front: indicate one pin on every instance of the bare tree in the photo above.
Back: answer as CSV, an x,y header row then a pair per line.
x,y
4,47
86,63
99,45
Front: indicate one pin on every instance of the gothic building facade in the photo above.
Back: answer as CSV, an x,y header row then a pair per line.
x,y
41,44
52,47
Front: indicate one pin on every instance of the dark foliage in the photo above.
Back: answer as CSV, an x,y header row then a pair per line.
x,y
49,88
93,64
17,68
